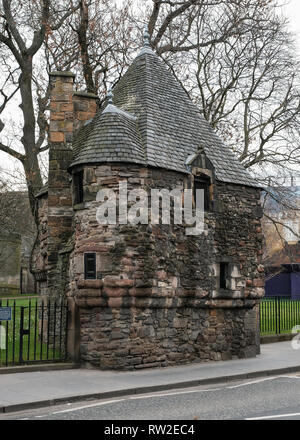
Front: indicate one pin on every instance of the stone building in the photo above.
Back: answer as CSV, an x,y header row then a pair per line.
x,y
148,294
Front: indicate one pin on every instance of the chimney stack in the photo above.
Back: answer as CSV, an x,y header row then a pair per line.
x,y
60,211
69,110
85,108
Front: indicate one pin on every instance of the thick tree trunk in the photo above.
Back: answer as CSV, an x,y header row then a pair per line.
x,y
30,163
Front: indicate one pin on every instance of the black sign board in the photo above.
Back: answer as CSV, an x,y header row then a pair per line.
x,y
5,314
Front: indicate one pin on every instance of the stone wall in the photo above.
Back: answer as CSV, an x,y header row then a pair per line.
x,y
139,337
157,300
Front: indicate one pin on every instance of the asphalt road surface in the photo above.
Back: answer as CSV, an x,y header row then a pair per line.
x,y
272,398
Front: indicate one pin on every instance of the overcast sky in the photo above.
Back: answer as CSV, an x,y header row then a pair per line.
x,y
291,11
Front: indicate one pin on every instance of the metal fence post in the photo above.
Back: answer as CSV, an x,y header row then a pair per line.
x,y
279,315
276,317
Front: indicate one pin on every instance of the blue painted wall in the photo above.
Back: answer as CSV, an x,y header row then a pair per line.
x,y
284,284
279,285
295,285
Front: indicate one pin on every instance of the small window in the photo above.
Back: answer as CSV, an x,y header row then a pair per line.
x,y
204,185
90,266
78,187
223,275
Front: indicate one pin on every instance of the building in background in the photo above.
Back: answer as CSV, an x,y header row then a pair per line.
x,y
282,239
17,235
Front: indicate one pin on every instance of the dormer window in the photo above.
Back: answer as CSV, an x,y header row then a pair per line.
x,y
78,187
203,183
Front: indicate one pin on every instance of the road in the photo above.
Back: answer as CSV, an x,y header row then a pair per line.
x,y
272,398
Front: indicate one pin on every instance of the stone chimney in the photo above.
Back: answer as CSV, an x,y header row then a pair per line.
x,y
85,108
69,110
60,211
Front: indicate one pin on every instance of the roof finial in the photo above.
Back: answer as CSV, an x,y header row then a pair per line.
x,y
146,37
110,96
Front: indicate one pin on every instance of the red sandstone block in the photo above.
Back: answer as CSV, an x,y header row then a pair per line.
x,y
53,200
89,293
90,284
93,107
140,291
57,116
115,302
54,106
117,282
90,302
258,282
57,137
65,107
114,292
61,97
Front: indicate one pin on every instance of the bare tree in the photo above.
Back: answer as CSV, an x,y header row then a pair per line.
x,y
95,43
23,28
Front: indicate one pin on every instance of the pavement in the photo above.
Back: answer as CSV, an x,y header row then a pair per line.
x,y
36,389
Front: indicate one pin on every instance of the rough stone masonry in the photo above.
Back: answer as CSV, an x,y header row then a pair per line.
x,y
156,297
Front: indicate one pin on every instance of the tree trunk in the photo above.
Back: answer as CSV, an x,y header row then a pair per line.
x,y
30,163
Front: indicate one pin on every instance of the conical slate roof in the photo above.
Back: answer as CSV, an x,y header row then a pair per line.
x,y
168,127
111,136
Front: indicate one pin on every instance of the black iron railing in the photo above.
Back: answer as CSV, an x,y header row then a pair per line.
x,y
34,330
279,315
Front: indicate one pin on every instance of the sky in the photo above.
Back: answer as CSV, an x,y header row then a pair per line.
x,y
291,10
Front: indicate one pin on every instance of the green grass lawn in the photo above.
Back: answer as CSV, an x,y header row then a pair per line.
x,y
279,316
34,349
